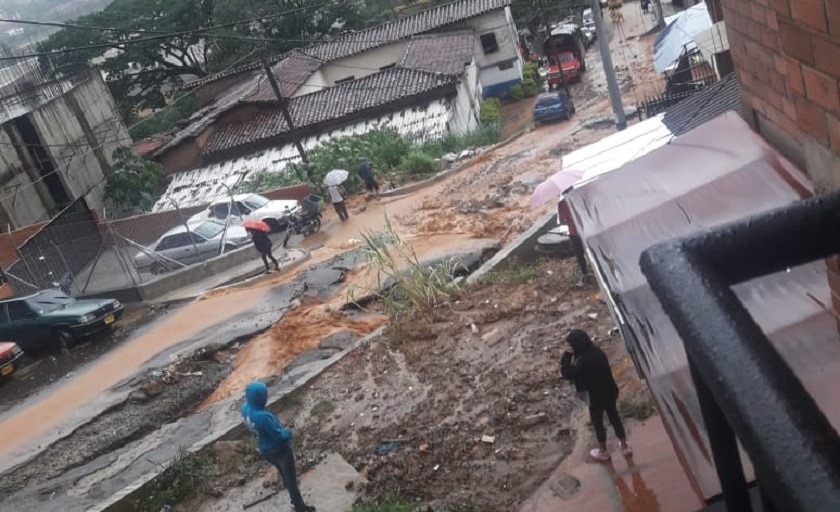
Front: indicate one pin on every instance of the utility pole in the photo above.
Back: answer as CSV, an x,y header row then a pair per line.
x,y
660,16
284,108
609,69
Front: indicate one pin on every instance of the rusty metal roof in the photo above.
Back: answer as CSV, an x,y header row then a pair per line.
x,y
717,173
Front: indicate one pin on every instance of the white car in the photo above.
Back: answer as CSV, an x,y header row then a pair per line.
x,y
180,245
275,213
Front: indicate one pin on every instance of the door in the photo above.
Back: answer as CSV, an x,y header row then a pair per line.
x,y
25,326
177,247
206,248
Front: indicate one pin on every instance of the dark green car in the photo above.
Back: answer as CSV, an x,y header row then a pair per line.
x,y
50,318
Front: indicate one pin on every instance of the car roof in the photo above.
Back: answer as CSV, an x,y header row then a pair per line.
x,y
236,197
180,228
550,95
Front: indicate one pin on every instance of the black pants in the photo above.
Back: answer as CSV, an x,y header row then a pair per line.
x,y
284,460
266,256
596,414
580,255
341,210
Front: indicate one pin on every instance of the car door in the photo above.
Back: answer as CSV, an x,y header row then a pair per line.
x,y
184,249
24,323
206,248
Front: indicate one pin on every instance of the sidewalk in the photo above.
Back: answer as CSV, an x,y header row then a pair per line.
x,y
287,258
651,481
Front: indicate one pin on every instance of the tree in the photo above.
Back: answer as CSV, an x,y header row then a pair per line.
x,y
139,73
134,183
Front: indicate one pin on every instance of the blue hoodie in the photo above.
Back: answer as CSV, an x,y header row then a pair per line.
x,y
269,432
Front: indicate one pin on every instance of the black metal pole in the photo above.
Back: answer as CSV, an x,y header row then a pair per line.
x,y
284,108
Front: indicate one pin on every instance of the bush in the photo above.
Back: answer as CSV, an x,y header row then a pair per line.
x,y
491,111
134,182
529,87
516,92
418,162
531,72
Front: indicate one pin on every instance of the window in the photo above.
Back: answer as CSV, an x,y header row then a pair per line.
x,y
239,208
19,310
219,211
174,241
208,230
489,44
255,202
505,65
345,79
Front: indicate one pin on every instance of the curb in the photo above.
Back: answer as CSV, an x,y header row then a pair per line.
x,y
412,187
123,499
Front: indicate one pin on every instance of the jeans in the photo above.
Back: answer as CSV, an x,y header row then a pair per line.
x,y
596,414
265,258
284,460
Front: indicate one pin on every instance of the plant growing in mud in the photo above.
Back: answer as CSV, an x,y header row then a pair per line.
x,y
401,281
188,474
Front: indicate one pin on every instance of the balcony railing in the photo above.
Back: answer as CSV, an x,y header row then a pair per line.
x,y
746,390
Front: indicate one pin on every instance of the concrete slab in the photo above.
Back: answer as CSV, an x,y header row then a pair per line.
x,y
651,481
332,486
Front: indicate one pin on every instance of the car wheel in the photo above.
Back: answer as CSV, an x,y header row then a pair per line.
x,y
158,268
65,339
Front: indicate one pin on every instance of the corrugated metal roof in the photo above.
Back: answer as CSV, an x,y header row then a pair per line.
x,y
720,97
424,21
331,104
718,173
440,53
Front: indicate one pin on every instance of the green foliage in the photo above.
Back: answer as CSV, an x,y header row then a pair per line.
x,y
263,181
165,119
529,88
388,504
134,183
189,473
418,162
516,275
491,111
516,92
530,71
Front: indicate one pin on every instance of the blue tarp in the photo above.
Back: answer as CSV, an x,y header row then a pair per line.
x,y
680,34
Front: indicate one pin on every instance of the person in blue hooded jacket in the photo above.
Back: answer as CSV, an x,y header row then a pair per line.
x,y
273,440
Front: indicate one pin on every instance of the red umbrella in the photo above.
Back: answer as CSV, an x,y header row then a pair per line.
x,y
257,225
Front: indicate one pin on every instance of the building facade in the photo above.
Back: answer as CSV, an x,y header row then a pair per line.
x,y
56,145
785,53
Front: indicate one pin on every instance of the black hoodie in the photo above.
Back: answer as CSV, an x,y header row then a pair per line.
x,y
590,370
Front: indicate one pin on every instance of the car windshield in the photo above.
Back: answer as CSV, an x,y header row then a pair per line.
x,y
50,300
255,202
209,229
566,57
549,101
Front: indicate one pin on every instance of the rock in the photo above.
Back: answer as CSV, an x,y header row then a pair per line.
x,y
349,486
424,447
534,419
138,396
399,473
338,341
488,439
449,157
153,388
492,337
229,450
565,486
592,316
217,492
311,356
240,481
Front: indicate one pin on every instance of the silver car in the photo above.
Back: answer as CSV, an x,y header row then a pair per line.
x,y
179,245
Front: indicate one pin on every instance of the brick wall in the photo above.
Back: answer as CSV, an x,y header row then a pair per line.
x,y
787,58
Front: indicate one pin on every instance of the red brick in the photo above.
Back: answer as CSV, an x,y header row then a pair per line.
x,y
821,89
827,55
788,108
758,13
810,12
770,39
778,82
811,119
780,6
834,135
794,72
832,8
780,64
796,41
771,22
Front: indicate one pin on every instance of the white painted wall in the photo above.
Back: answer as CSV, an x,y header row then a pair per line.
x,y
358,66
20,201
466,105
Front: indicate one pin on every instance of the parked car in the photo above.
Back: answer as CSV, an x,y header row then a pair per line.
x,y
10,352
50,317
551,106
563,66
244,207
180,245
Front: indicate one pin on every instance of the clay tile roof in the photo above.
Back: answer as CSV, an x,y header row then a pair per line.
x,y
331,104
402,28
291,73
440,53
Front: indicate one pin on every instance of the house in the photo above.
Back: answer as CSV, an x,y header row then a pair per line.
x,y
433,89
56,143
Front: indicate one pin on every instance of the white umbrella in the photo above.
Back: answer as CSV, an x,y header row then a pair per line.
x,y
335,177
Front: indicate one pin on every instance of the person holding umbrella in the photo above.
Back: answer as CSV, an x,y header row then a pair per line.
x,y
333,181
259,235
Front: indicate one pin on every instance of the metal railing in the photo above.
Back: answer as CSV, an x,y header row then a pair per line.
x,y
746,390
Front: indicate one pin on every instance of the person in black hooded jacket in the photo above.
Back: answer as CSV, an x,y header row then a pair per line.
x,y
588,368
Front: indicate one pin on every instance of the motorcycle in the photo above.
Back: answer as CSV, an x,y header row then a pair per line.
x,y
305,223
